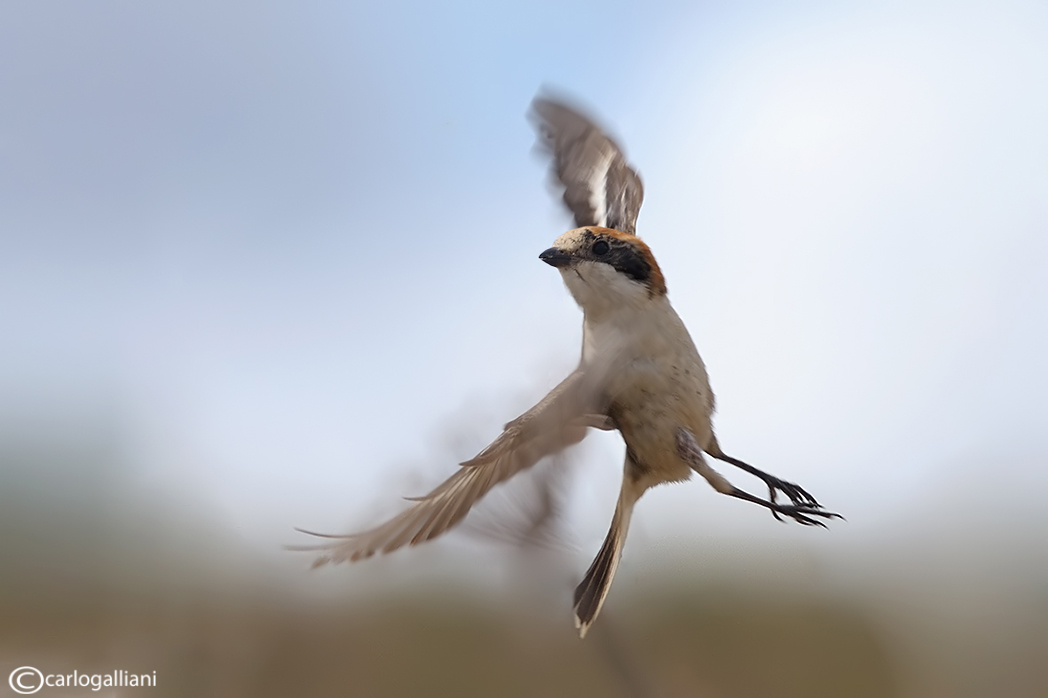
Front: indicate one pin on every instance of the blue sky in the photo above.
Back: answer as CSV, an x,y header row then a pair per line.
x,y
288,254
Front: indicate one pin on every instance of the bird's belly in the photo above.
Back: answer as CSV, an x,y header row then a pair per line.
x,y
648,411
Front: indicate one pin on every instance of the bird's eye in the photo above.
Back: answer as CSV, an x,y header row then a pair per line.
x,y
600,248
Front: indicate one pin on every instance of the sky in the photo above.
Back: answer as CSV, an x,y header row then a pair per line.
x,y
283,259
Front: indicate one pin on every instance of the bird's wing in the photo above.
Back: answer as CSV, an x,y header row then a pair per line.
x,y
559,420
600,188
527,514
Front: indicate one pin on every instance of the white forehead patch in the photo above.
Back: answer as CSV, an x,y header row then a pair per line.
x,y
570,240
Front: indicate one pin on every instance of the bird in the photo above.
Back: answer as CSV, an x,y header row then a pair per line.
x,y
639,373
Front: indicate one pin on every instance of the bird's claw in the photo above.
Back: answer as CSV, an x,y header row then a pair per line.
x,y
802,513
797,495
803,506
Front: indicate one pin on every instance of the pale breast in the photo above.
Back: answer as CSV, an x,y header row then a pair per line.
x,y
660,386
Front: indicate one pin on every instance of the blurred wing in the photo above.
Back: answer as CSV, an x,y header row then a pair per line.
x,y
599,186
529,513
555,423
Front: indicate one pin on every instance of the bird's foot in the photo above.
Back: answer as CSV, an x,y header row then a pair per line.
x,y
797,495
804,514
807,514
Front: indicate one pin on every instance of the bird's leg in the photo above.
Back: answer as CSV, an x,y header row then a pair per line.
x,y
799,511
797,494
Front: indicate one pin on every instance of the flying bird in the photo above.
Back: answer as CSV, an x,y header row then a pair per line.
x,y
639,374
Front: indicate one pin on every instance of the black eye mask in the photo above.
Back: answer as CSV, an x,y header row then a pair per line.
x,y
619,254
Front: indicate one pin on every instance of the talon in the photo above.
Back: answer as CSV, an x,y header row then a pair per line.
x,y
801,513
772,494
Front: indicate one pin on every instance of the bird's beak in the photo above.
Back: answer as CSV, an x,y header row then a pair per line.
x,y
555,258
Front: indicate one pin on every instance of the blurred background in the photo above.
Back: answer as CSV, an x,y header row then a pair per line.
x,y
266,265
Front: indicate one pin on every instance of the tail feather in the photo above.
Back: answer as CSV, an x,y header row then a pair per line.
x,y
591,592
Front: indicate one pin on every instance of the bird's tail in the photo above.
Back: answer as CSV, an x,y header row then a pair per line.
x,y
590,594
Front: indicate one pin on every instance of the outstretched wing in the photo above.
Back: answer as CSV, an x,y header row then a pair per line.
x,y
555,423
528,515
600,188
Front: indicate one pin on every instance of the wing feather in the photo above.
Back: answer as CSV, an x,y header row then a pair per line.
x,y
559,420
600,188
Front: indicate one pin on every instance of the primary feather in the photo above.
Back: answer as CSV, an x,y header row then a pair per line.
x,y
556,422
600,188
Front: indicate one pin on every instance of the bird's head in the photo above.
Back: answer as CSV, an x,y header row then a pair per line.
x,y
605,267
